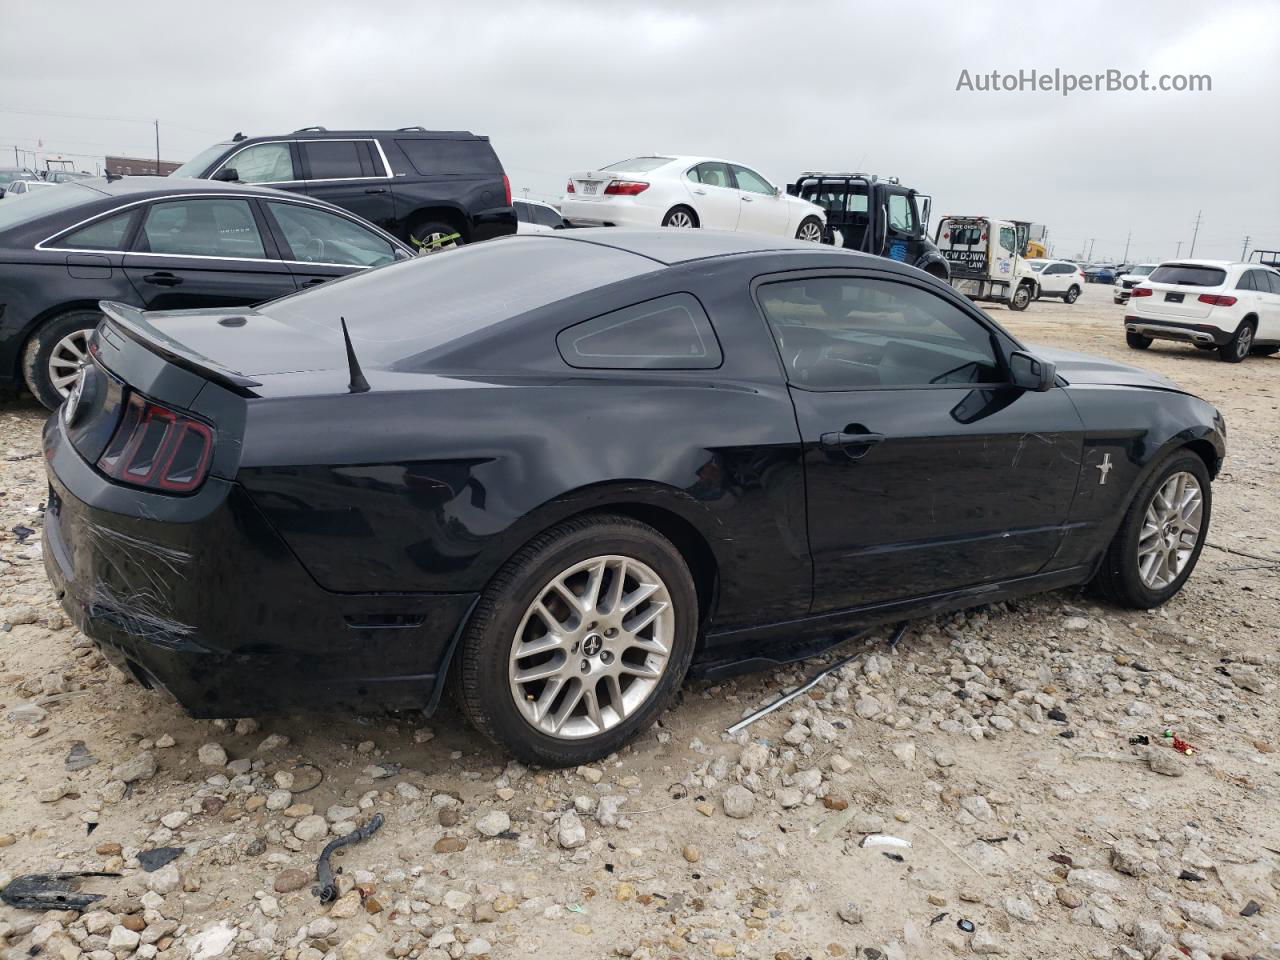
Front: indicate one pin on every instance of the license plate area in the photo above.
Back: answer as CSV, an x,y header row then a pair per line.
x,y
1173,297
590,187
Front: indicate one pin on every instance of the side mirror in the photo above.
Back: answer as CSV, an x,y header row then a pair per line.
x,y
1,193
1031,373
227,175
777,191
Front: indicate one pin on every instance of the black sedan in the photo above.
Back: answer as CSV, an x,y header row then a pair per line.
x,y
158,244
561,469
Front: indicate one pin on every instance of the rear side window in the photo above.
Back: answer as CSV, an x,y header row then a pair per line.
x,y
1246,281
202,228
440,157
669,333
1274,280
1189,275
546,216
523,213
107,234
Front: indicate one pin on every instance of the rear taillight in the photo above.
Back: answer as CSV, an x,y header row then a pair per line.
x,y
1140,292
569,188
1217,299
506,185
158,448
625,188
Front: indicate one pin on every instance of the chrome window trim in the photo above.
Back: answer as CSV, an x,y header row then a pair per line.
x,y
260,183
300,201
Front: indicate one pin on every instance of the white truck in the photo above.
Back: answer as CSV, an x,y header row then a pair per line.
x,y
988,259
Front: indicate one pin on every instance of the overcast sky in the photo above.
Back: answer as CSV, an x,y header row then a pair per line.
x,y
784,87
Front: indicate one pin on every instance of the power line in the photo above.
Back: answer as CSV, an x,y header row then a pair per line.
x,y
99,116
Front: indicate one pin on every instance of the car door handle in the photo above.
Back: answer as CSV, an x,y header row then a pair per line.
x,y
376,190
746,200
163,279
701,193
855,443
314,280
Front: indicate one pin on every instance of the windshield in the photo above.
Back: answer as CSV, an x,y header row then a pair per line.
x,y
1143,271
1038,265
639,164
41,203
8,176
197,165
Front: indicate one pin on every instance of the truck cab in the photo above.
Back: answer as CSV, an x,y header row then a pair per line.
x,y
874,215
988,259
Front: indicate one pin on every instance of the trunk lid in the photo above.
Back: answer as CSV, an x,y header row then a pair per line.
x,y
590,184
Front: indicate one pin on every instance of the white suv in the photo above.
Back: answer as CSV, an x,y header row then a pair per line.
x,y
1233,308
1129,279
1059,278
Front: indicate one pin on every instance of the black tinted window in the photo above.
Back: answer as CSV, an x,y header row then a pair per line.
x,y
1246,281
1274,280
438,157
202,228
840,333
1189,275
318,236
108,234
546,216
522,211
334,159
669,333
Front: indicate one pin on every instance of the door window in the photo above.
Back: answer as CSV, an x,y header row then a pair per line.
x,y
202,228
841,333
335,160
522,211
1008,239
107,234
546,216
432,157
752,182
712,174
901,217
669,333
318,236
263,163
1273,279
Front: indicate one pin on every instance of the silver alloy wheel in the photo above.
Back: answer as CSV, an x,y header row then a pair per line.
x,y
592,647
680,218
435,241
810,232
1244,341
1170,530
68,356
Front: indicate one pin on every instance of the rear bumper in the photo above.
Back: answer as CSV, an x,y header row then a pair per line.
x,y
1203,333
214,609
614,212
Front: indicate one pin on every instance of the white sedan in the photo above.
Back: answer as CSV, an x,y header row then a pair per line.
x,y
688,192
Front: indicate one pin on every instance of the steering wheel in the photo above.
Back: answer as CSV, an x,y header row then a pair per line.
x,y
314,250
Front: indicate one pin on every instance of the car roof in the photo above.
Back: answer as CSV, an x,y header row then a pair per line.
x,y
159,186
668,246
404,134
1188,262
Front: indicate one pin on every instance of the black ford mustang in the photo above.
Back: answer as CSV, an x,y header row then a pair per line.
x,y
562,469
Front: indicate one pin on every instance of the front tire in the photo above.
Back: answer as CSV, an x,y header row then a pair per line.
x,y
681,216
1238,347
1073,294
1137,341
1161,535
432,236
810,230
55,353
1021,297
579,641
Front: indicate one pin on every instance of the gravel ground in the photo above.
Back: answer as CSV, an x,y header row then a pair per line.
x,y
999,743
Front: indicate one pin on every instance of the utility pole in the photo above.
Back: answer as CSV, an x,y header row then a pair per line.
x,y
1178,253
1192,251
15,156
1089,256
1245,248
1125,258
157,123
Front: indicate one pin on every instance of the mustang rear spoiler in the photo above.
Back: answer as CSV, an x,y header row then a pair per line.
x,y
133,323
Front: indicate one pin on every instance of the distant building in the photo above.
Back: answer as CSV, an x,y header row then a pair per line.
x,y
139,167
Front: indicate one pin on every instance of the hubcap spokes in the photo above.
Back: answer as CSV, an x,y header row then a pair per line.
x,y
68,356
680,219
811,232
592,647
1170,530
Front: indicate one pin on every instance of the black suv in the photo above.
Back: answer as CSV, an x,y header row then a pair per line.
x,y
431,188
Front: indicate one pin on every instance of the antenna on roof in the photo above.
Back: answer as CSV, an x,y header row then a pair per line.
x,y
358,383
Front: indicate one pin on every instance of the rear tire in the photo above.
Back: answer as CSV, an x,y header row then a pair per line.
x,y
1119,578
1073,294
54,354
429,236
1238,347
680,216
504,707
1136,341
